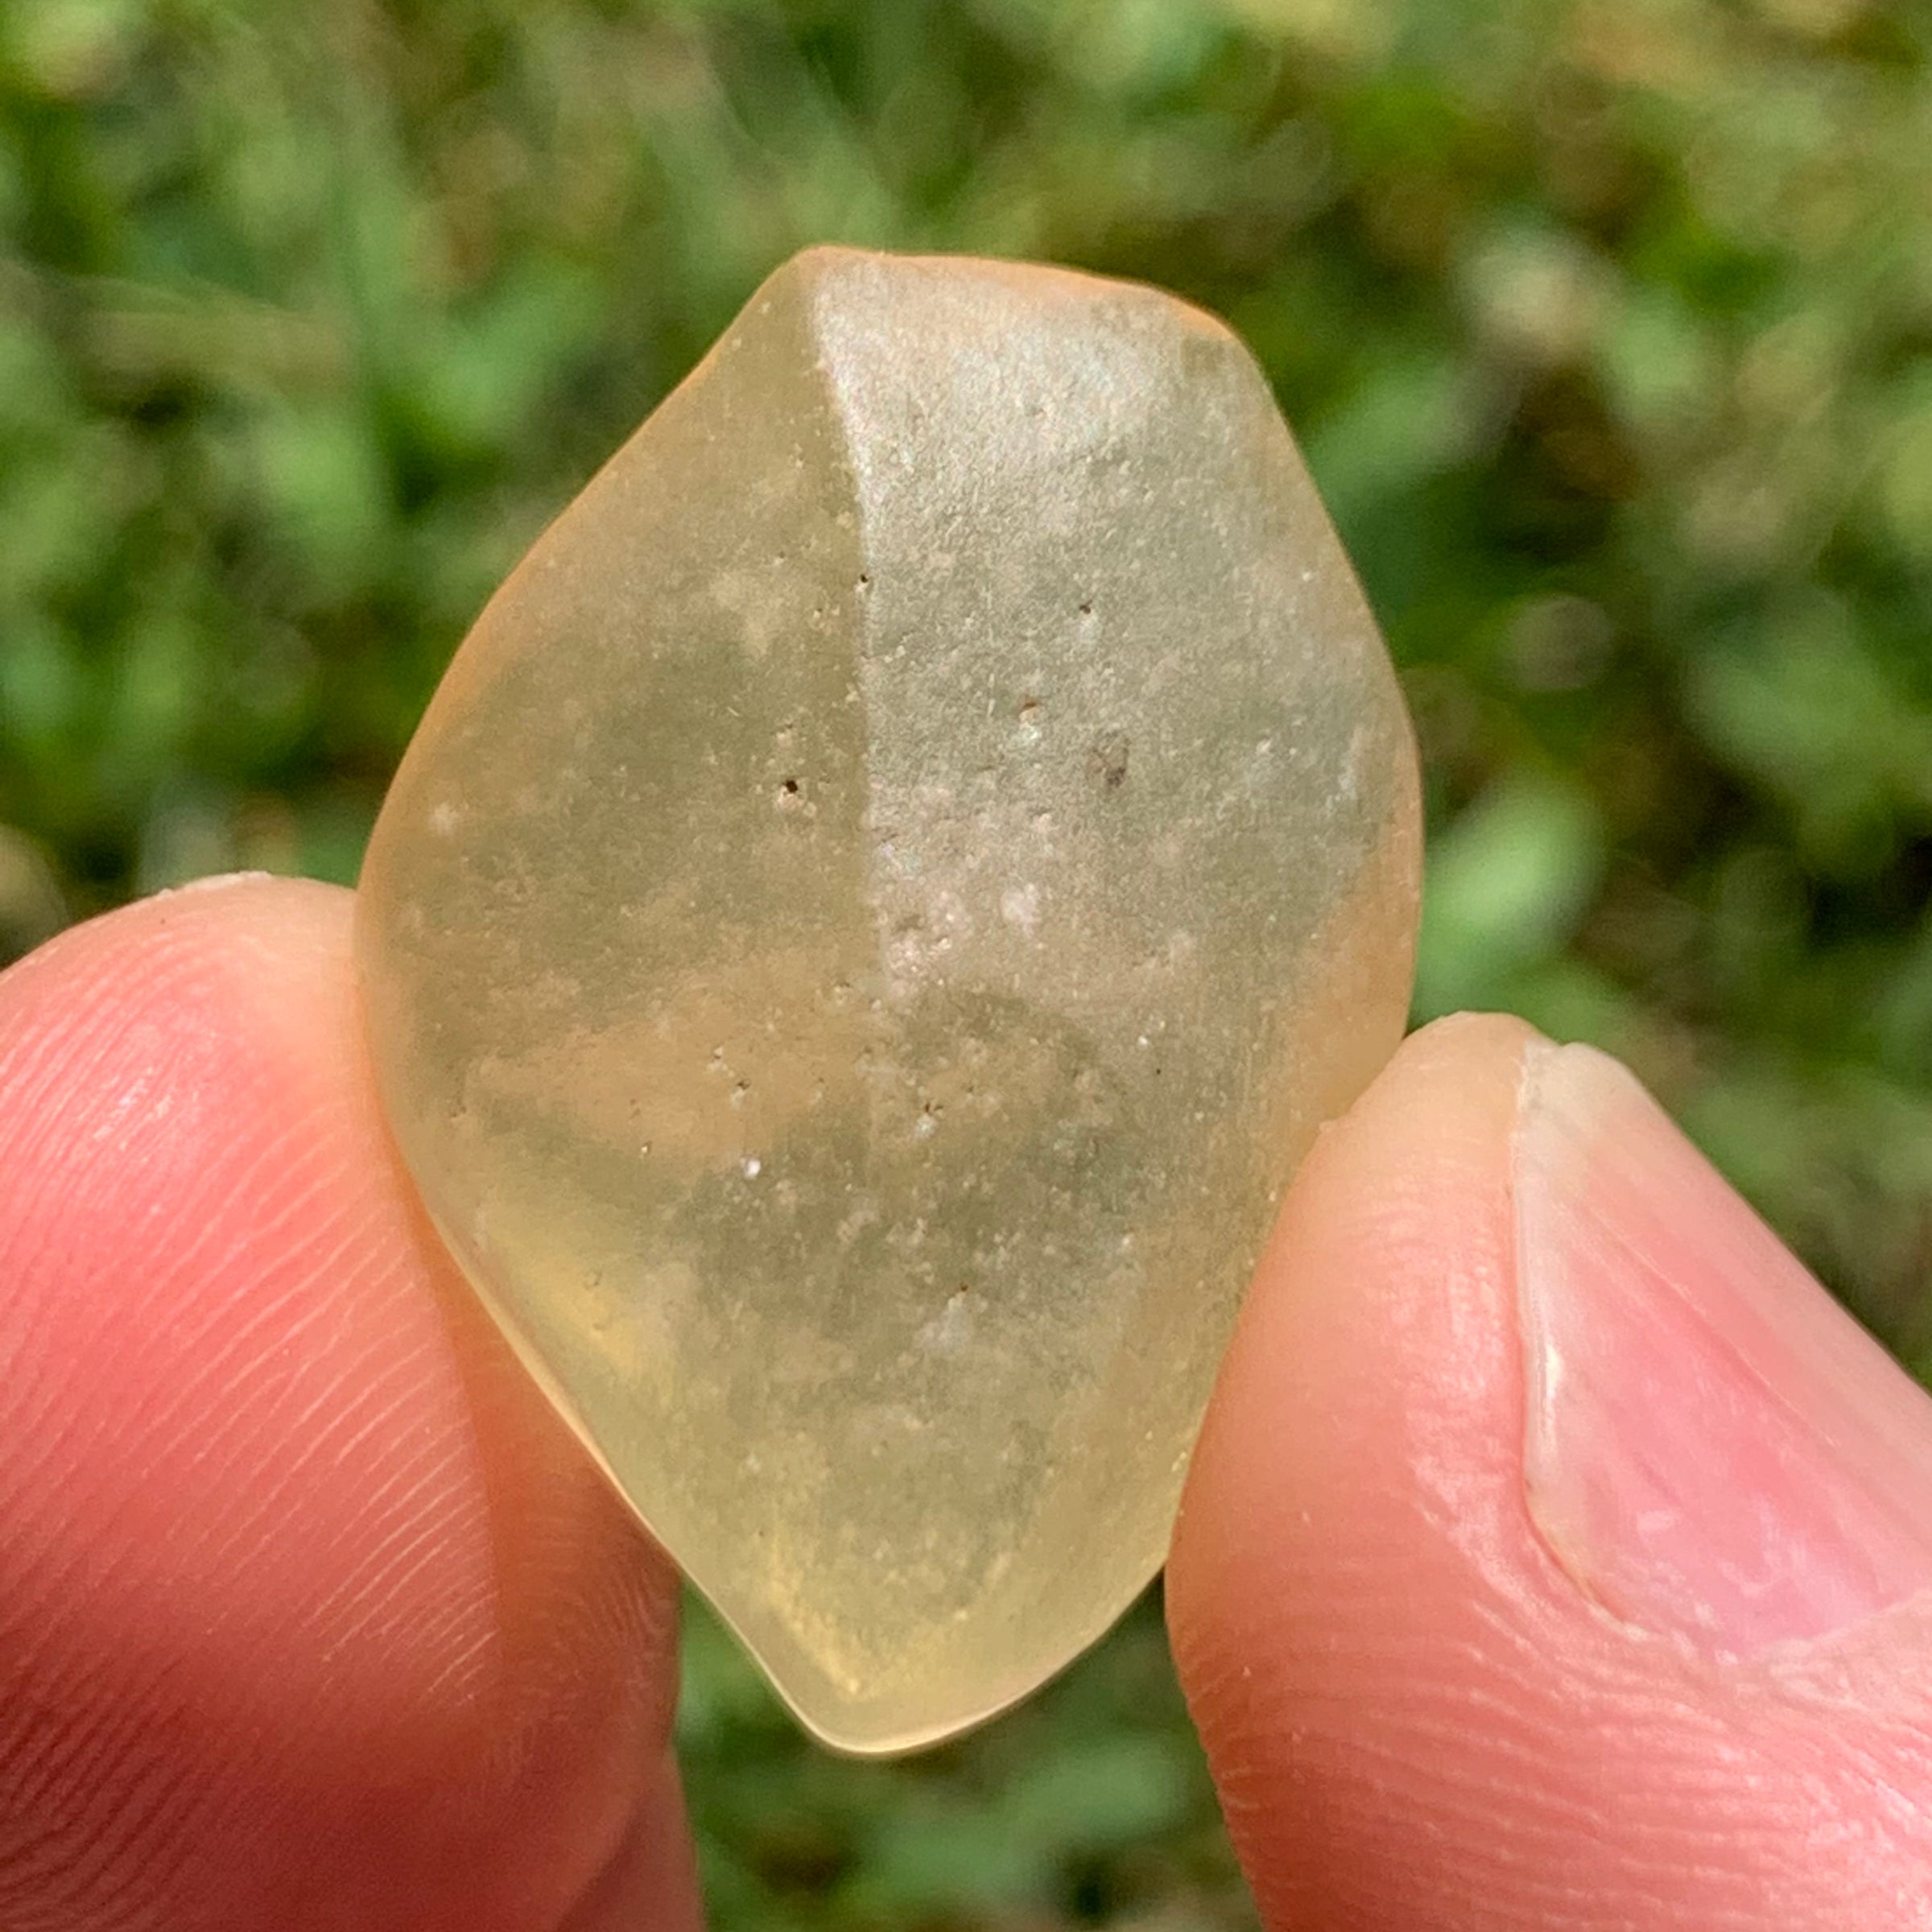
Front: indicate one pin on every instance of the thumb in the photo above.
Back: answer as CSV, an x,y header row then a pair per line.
x,y
312,1615
1558,1554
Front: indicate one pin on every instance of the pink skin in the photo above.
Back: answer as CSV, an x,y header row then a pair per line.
x,y
1421,1711
312,1616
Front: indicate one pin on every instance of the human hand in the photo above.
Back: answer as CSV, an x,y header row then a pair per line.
x,y
312,1615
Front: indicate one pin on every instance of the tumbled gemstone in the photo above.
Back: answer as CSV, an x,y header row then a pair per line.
x,y
875,913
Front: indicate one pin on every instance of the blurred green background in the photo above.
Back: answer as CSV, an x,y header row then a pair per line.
x,y
1607,328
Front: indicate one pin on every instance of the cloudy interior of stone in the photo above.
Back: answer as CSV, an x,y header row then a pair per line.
x,y
870,922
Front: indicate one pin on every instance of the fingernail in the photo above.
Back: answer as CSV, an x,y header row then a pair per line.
x,y
1715,1449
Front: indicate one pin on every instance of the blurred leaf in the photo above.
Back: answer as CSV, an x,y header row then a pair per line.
x,y
326,486
1508,884
31,906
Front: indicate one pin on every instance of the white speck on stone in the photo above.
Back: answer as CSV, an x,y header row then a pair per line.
x,y
1020,906
444,819
905,954
1348,781
753,1167
949,1331
948,913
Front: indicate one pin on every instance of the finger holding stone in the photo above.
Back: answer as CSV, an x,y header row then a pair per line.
x,y
1557,1552
311,1613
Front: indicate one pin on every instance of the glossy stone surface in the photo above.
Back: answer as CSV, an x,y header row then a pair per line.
x,y
868,925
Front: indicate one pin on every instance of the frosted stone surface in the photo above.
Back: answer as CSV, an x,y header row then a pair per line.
x,y
868,926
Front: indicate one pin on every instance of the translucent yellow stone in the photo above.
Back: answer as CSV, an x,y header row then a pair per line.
x,y
871,920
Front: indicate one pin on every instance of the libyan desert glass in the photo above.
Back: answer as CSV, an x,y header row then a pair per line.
x,y
874,914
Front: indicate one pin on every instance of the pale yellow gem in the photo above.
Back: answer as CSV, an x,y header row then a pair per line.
x,y
872,919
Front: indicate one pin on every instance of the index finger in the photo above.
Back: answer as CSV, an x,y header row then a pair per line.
x,y
311,1613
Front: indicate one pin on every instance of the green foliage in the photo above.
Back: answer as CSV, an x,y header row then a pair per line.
x,y
1608,329
1089,1806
